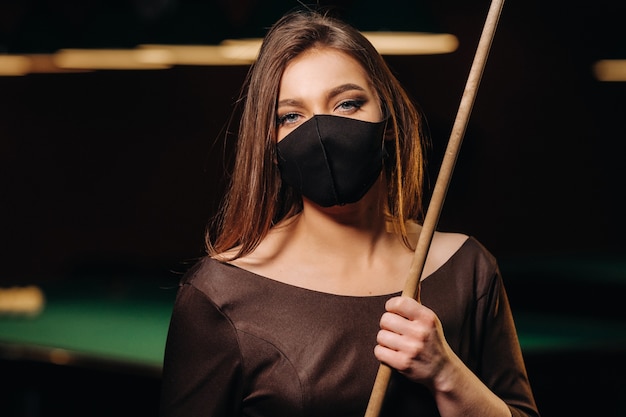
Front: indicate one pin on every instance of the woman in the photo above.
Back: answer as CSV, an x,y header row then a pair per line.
x,y
299,299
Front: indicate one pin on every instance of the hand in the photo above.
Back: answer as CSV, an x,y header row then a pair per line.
x,y
411,340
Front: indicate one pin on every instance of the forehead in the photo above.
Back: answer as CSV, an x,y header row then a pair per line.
x,y
321,68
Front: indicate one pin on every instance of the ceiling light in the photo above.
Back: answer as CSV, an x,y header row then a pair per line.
x,y
14,65
115,59
236,53
610,70
412,43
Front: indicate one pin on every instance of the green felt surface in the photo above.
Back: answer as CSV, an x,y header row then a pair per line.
x,y
123,331
542,333
124,324
130,326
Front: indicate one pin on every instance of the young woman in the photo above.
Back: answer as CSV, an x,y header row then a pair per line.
x,y
298,300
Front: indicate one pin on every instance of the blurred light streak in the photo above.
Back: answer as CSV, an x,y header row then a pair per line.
x,y
14,65
610,70
208,55
228,52
115,59
412,43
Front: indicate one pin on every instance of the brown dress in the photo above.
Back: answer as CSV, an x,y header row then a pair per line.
x,y
240,344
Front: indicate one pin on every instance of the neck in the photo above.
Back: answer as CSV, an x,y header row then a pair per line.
x,y
355,228
341,250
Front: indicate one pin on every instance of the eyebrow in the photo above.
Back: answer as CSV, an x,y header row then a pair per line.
x,y
343,88
332,93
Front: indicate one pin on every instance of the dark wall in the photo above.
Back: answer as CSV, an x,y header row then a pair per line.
x,y
124,168
110,167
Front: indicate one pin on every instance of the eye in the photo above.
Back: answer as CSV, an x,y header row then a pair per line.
x,y
287,119
350,106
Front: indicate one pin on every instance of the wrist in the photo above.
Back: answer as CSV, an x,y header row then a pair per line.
x,y
449,377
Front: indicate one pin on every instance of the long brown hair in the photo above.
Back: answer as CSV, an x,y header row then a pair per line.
x,y
257,199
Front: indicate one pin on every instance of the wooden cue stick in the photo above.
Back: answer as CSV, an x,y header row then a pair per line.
x,y
412,285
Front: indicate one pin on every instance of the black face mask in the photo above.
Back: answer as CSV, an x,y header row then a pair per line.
x,y
332,160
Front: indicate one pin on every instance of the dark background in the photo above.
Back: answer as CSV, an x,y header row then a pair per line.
x,y
119,171
126,166
123,166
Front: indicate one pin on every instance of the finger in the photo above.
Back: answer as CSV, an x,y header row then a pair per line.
x,y
394,322
389,339
404,306
411,346
399,332
395,359
413,311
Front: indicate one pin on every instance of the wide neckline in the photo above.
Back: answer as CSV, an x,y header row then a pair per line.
x,y
314,291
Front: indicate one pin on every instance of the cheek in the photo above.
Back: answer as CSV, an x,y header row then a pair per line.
x,y
280,134
381,112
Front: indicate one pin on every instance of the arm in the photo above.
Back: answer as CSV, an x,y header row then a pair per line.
x,y
201,368
411,340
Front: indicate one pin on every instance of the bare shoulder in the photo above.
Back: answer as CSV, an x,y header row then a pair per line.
x,y
449,242
442,243
267,251
443,246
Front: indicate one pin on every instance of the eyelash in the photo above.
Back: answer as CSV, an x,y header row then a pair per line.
x,y
280,120
354,104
